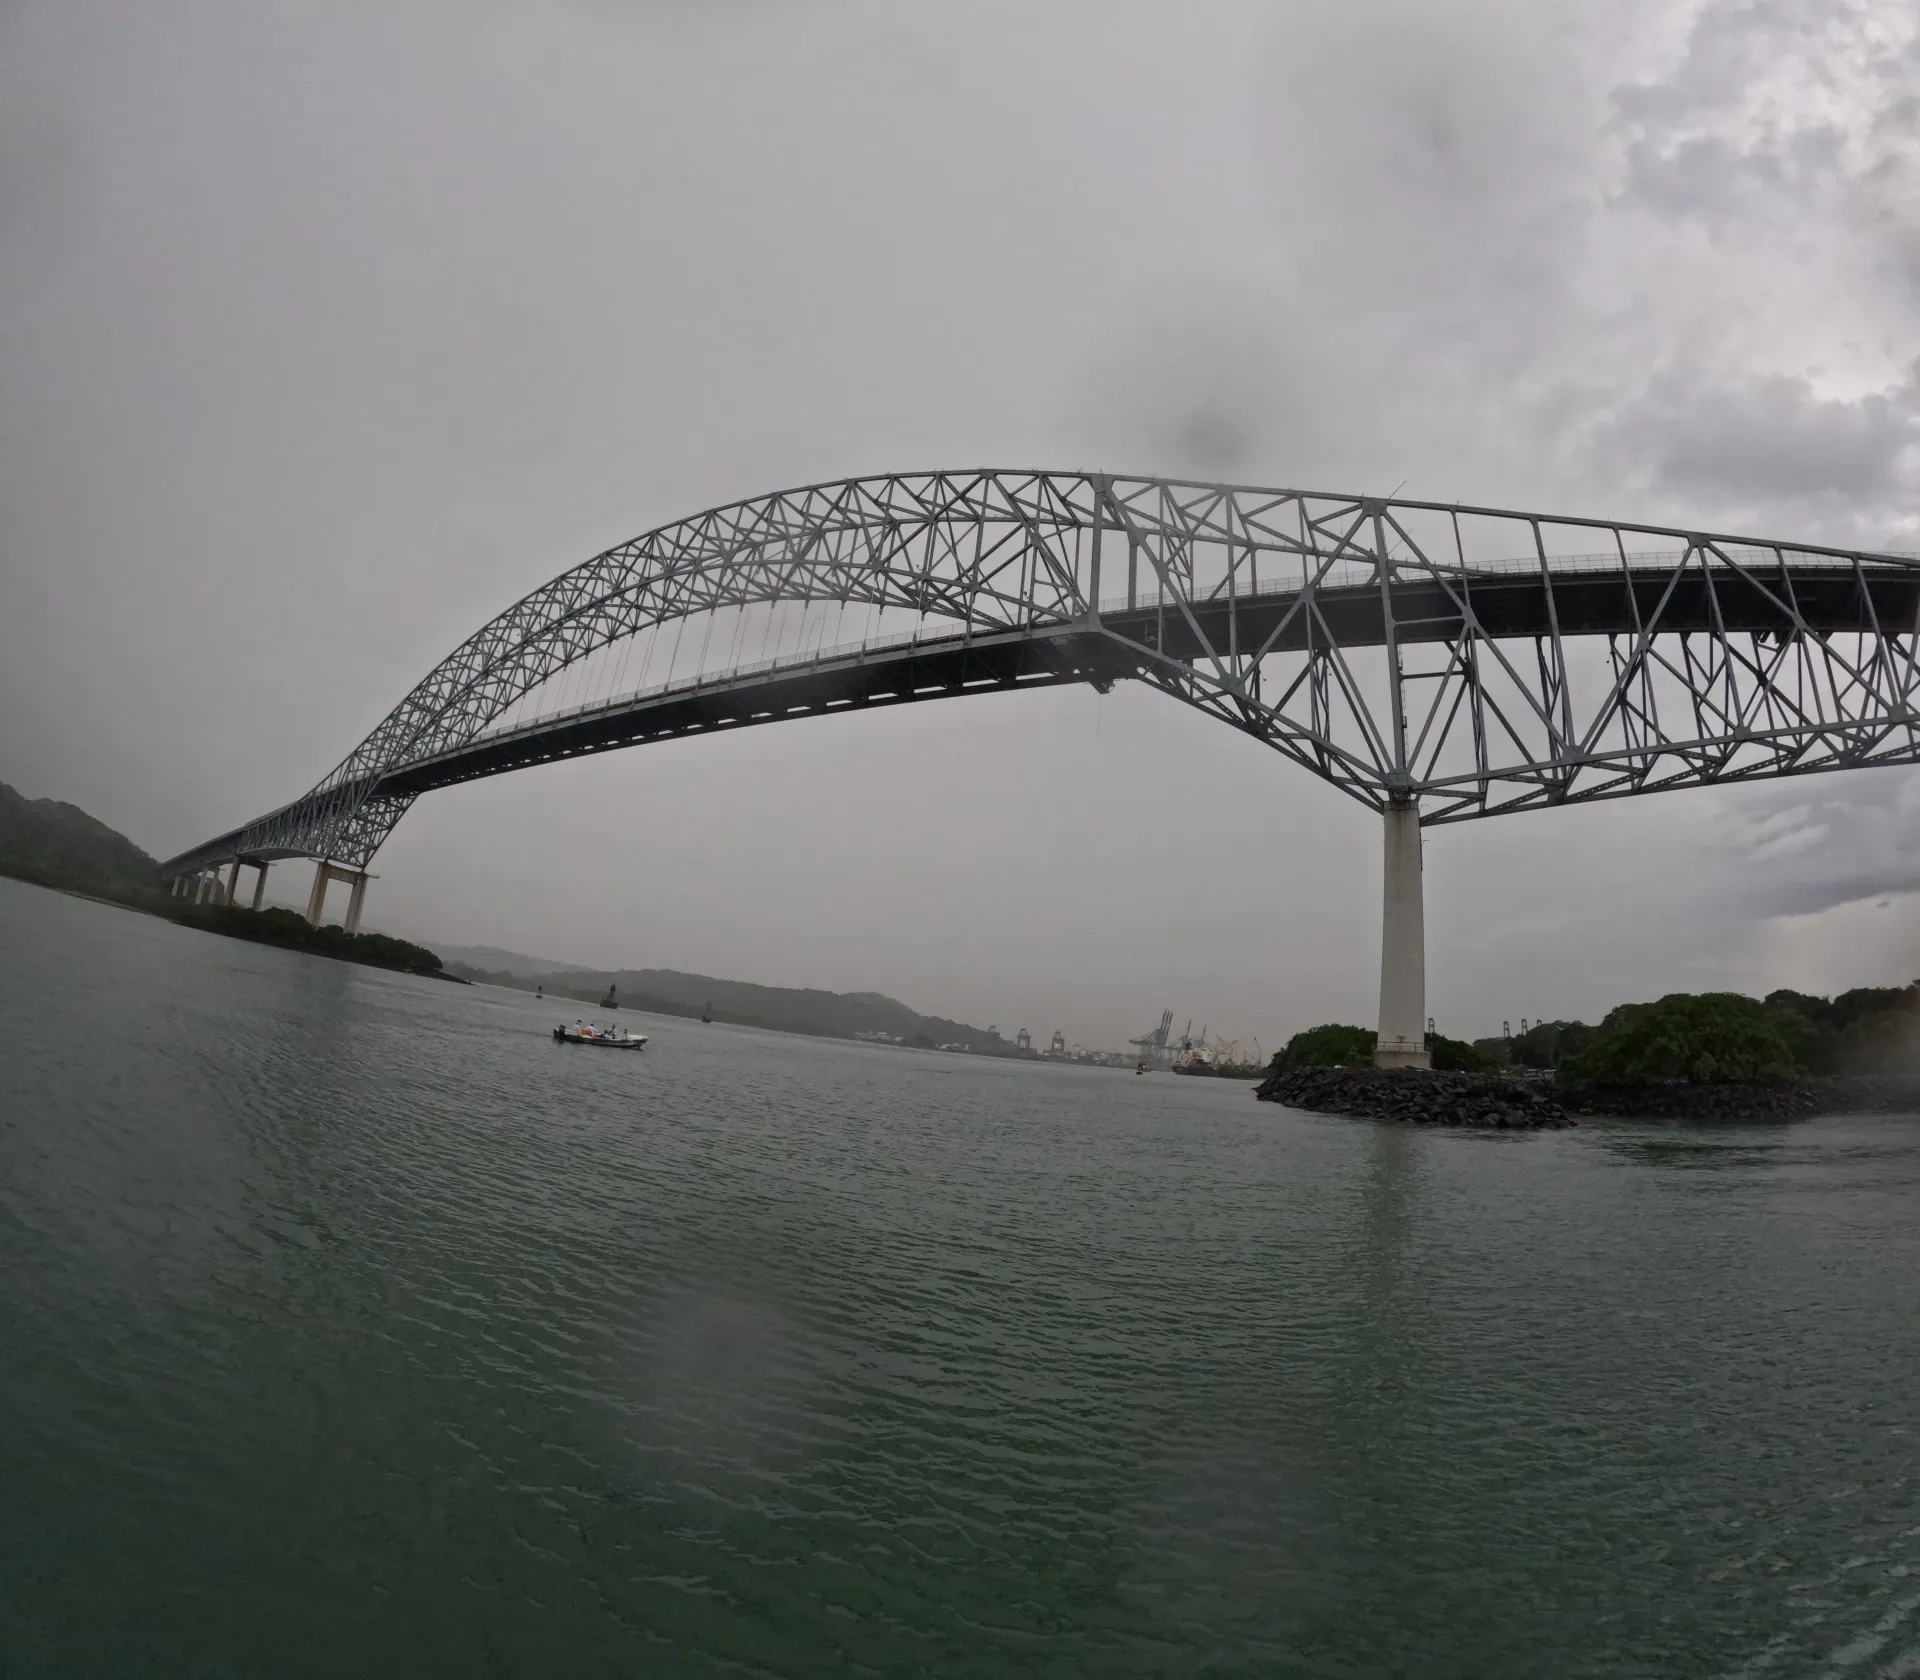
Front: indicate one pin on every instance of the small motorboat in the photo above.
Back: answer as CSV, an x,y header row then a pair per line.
x,y
608,1038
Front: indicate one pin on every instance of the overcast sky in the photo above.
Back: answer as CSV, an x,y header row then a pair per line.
x,y
327,330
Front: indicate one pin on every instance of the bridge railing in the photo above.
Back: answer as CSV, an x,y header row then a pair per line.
x,y
729,675
1351,573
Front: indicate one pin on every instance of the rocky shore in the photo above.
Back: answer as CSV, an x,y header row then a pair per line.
x,y
1518,1102
1421,1099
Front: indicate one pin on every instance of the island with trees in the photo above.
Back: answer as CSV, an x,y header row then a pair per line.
x,y
1705,1055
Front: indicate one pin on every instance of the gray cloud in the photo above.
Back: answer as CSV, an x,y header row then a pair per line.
x,y
1771,439
325,331
1777,111
1806,847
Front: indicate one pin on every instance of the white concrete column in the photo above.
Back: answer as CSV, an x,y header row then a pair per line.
x,y
355,900
1403,947
233,882
317,899
260,884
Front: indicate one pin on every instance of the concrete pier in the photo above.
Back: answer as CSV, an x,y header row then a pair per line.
x,y
1402,1040
324,875
260,884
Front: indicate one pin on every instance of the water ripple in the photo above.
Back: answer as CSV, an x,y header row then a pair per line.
x,y
353,1326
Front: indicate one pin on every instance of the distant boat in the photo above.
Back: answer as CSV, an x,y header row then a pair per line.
x,y
539,992
706,1012
607,1038
607,1002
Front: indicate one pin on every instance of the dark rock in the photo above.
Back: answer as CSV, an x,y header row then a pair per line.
x,y
1839,1094
1505,1102
1514,1101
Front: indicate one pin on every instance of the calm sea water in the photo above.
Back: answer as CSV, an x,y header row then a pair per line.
x,y
350,1326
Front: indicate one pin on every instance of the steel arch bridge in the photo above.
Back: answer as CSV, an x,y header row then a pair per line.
x,y
1435,662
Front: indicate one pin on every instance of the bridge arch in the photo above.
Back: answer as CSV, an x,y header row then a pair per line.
x,y
1436,662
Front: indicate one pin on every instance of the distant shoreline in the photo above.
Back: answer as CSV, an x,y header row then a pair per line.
x,y
366,950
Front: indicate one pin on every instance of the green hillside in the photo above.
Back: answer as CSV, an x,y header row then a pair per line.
x,y
54,844
667,991
58,844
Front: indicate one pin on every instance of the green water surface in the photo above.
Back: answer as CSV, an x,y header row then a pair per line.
x,y
351,1326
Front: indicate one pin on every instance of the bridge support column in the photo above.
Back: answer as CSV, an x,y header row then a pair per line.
x,y
1403,946
317,899
324,875
232,888
260,884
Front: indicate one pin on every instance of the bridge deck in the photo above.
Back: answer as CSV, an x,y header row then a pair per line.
x,y
1831,598
850,682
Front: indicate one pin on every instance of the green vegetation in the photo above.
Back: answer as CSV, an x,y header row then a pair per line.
x,y
1871,1029
1339,1046
1725,1038
1708,1038
668,991
1543,1046
1451,1055
1328,1046
292,930
59,845
1550,1044
56,845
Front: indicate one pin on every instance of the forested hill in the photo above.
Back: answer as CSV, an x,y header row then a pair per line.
x,y
668,991
60,845
54,844
49,840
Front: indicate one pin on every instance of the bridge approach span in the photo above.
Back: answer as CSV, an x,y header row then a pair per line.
x,y
1436,662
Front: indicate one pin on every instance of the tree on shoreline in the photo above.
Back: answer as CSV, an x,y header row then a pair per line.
x,y
1706,1038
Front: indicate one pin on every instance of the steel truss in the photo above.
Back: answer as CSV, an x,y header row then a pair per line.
x,y
1471,660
